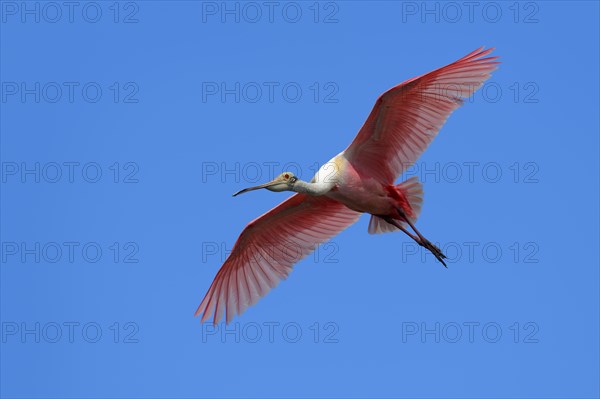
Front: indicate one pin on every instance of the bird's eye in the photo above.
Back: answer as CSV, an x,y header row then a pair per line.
x,y
286,176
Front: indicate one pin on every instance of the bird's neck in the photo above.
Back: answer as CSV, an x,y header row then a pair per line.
x,y
315,189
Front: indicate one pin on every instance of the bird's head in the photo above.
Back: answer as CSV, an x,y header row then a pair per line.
x,y
283,182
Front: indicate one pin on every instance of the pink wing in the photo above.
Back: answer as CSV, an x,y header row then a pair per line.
x,y
268,248
406,118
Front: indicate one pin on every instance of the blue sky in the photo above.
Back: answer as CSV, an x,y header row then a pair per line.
x,y
126,127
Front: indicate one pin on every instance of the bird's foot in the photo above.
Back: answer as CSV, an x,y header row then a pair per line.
x,y
435,251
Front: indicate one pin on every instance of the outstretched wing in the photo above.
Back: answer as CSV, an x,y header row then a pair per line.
x,y
268,248
406,118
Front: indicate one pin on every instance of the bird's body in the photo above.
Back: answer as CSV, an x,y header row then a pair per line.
x,y
360,179
360,193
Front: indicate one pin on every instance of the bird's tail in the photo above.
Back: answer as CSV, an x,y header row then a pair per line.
x,y
409,194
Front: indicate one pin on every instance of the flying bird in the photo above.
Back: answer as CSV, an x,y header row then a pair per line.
x,y
360,179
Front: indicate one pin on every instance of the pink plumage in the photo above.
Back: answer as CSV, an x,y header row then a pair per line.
x,y
403,122
268,248
406,118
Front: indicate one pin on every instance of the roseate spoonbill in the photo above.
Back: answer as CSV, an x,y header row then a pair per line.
x,y
403,122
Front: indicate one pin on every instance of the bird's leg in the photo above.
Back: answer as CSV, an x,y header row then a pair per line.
x,y
394,222
419,239
426,243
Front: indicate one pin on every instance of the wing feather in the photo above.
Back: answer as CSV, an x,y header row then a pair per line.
x,y
268,248
406,118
